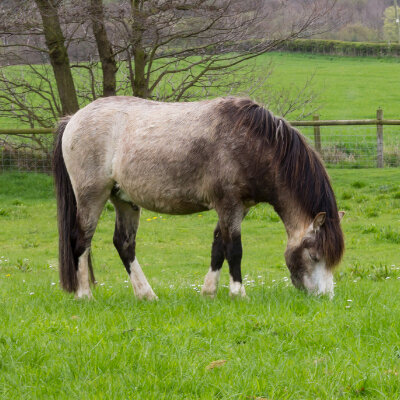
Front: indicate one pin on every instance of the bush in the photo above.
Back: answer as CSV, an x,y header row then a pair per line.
x,y
337,47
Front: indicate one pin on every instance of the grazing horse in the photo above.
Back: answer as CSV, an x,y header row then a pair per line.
x,y
226,154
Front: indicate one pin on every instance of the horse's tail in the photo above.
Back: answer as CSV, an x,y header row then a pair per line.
x,y
67,217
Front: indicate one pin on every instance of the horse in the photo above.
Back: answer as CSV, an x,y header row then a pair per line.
x,y
227,154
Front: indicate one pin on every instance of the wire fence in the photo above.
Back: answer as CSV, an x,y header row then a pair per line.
x,y
343,144
26,150
356,147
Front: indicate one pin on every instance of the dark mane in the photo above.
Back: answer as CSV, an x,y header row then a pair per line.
x,y
298,167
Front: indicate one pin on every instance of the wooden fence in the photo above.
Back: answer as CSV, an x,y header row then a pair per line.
x,y
379,122
317,139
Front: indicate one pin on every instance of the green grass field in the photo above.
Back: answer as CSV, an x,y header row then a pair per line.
x,y
349,87
279,344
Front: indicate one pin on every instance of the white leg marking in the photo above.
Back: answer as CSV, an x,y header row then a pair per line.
x,y
211,283
139,282
320,281
83,277
236,289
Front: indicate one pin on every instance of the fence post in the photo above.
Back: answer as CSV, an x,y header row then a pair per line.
x,y
379,139
317,135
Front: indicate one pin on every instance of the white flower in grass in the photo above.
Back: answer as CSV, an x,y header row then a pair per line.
x,y
31,293
53,283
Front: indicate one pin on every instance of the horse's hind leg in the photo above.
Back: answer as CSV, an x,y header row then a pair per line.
x,y
126,226
89,208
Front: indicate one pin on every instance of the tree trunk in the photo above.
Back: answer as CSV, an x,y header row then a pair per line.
x,y
108,64
58,56
140,84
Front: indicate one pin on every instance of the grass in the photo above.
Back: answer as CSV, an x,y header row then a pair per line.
x,y
349,87
280,344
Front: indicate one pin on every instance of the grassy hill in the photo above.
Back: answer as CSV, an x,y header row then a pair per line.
x,y
350,87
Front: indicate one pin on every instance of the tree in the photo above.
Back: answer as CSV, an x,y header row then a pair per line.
x,y
58,55
104,47
391,25
181,49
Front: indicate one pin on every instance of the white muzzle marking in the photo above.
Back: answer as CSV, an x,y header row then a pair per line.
x,y
320,281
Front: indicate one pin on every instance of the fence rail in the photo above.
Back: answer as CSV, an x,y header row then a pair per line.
x,y
343,150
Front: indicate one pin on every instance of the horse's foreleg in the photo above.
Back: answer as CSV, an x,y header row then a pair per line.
x,y
217,259
126,226
234,256
227,244
230,219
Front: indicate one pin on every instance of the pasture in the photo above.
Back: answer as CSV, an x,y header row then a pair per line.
x,y
348,87
278,344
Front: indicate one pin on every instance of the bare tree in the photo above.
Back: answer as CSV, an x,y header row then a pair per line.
x,y
104,47
58,55
183,49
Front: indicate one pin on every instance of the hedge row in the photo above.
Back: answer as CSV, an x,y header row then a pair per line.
x,y
336,47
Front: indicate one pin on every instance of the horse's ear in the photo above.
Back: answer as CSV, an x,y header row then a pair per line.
x,y
341,215
319,220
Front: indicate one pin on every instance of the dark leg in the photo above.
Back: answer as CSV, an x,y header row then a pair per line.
x,y
126,226
234,257
217,259
227,244
230,219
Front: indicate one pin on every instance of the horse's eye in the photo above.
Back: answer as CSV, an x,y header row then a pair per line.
x,y
313,256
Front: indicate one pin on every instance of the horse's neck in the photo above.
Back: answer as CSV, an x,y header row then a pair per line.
x,y
292,216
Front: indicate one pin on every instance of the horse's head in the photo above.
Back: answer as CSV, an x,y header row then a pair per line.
x,y
306,260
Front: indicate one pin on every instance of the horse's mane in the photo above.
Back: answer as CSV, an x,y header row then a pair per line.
x,y
298,167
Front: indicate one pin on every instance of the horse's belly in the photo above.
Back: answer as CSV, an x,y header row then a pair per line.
x,y
163,200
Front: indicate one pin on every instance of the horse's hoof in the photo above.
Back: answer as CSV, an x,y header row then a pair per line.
x,y
149,296
82,295
209,294
237,290
210,286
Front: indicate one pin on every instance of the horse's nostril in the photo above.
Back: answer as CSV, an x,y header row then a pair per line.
x,y
297,283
